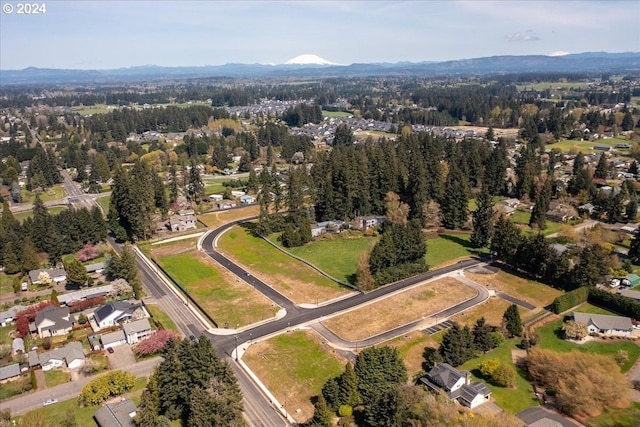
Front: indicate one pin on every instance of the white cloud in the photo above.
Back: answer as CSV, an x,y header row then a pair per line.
x,y
559,53
527,36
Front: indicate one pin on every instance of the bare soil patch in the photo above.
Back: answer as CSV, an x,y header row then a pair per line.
x,y
492,311
173,248
219,218
411,349
400,309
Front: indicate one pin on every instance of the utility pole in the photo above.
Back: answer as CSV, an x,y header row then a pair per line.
x,y
236,347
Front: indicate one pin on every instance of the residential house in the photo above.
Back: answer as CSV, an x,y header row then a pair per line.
x,y
237,193
366,222
604,324
561,213
113,339
216,197
326,227
136,330
586,208
628,229
71,356
456,385
97,267
53,321
247,200
47,275
182,222
83,294
9,373
119,414
9,316
118,312
543,417
512,203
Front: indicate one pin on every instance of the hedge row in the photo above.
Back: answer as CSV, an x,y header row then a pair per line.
x,y
615,302
570,299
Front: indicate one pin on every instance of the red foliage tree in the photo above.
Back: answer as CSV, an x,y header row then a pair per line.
x,y
154,342
29,315
88,252
86,303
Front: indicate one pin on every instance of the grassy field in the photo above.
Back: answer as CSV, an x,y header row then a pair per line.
x,y
551,85
161,317
54,210
492,311
6,283
104,201
292,278
218,218
612,417
13,388
215,290
518,286
337,257
92,109
511,400
411,349
54,193
294,367
447,249
54,377
400,309
53,415
587,146
326,113
550,339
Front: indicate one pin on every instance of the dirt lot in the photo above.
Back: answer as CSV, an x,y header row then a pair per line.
x,y
400,309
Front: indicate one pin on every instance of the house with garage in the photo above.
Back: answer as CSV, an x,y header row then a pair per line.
x,y
71,356
543,417
182,222
118,312
9,373
47,275
113,339
136,330
9,316
366,222
456,385
603,324
53,321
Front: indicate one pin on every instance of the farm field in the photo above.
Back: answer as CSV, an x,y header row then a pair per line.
x,y
399,309
292,278
294,367
587,146
219,293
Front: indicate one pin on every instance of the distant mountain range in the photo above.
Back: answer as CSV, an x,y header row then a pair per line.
x,y
589,62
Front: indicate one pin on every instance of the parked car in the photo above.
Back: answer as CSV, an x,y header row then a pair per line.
x,y
110,350
49,402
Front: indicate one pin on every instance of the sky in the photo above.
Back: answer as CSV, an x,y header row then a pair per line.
x,y
88,34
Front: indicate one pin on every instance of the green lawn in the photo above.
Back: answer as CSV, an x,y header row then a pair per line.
x,y
15,387
521,217
611,417
161,317
337,257
261,256
54,210
104,201
512,400
326,113
448,247
236,305
55,377
587,146
550,339
6,283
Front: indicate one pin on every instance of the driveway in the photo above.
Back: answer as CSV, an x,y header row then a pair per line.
x,y
121,357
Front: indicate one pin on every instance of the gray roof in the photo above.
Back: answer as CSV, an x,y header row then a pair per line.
x,y
468,392
57,315
445,375
112,337
9,371
11,313
70,352
84,294
118,414
539,417
630,294
603,321
53,272
136,326
107,309
95,267
17,345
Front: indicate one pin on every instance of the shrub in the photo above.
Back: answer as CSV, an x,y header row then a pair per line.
x,y
114,383
504,376
46,343
82,319
345,411
569,300
488,367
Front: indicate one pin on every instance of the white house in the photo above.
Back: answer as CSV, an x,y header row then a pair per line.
x,y
182,222
113,339
216,197
456,385
118,312
605,324
71,355
47,275
136,330
247,200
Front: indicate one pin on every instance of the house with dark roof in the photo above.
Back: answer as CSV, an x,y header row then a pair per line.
x,y
118,312
47,275
71,356
52,321
604,324
9,316
119,414
456,385
542,417
10,372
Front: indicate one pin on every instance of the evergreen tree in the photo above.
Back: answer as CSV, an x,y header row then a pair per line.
x,y
322,416
512,322
331,394
378,368
343,135
29,259
482,221
386,410
195,188
634,248
602,168
173,182
455,203
539,212
506,240
123,266
54,297
76,272
349,394
457,345
482,338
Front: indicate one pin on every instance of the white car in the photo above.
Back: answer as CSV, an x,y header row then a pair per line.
x,y
49,402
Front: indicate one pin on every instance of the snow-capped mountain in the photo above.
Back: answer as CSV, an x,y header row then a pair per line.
x,y
309,59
